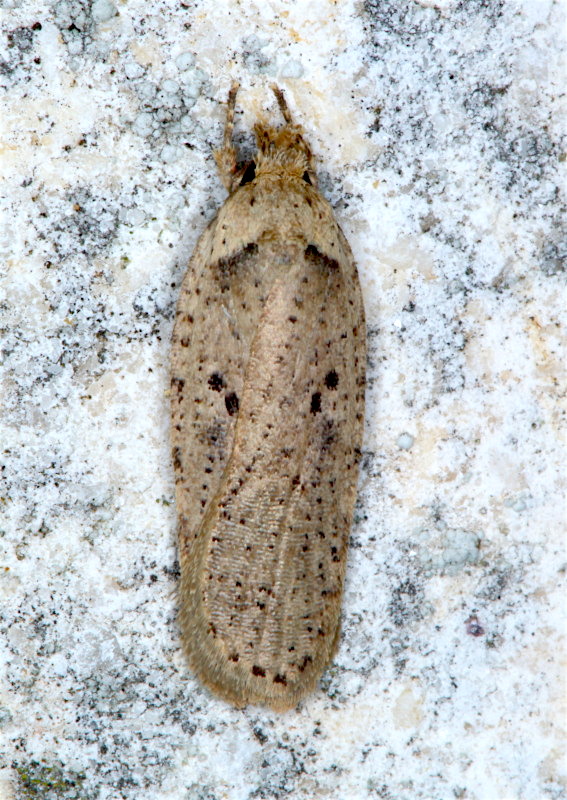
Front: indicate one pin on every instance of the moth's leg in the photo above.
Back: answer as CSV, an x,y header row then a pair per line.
x,y
226,156
286,113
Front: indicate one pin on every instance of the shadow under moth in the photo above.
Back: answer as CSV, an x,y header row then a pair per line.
x,y
267,412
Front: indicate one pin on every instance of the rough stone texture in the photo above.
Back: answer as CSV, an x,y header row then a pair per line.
x,y
438,129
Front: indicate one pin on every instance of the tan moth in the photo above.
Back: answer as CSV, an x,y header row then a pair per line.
x,y
268,373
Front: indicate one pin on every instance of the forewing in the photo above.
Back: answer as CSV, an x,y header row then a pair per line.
x,y
211,342
272,545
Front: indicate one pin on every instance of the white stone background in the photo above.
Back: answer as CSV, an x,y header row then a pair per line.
x,y
437,127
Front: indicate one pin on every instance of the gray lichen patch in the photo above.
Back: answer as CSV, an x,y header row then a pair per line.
x,y
450,551
78,22
80,223
22,58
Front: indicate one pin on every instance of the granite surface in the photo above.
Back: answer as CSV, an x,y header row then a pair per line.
x,y
437,126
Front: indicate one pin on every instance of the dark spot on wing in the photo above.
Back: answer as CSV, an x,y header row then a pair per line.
x,y
232,403
229,264
216,382
316,402
314,255
331,380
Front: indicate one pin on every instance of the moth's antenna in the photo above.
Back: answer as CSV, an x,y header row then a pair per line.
x,y
229,124
226,156
282,103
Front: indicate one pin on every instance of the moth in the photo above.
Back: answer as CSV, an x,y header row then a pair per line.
x,y
267,413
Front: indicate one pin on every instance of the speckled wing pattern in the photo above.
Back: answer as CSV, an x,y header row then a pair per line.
x,y
268,365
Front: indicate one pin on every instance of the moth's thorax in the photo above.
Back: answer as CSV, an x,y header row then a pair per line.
x,y
286,176
274,206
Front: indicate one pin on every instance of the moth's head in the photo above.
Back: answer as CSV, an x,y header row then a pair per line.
x,y
283,150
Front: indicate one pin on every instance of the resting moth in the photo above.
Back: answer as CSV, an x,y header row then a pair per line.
x,y
268,373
